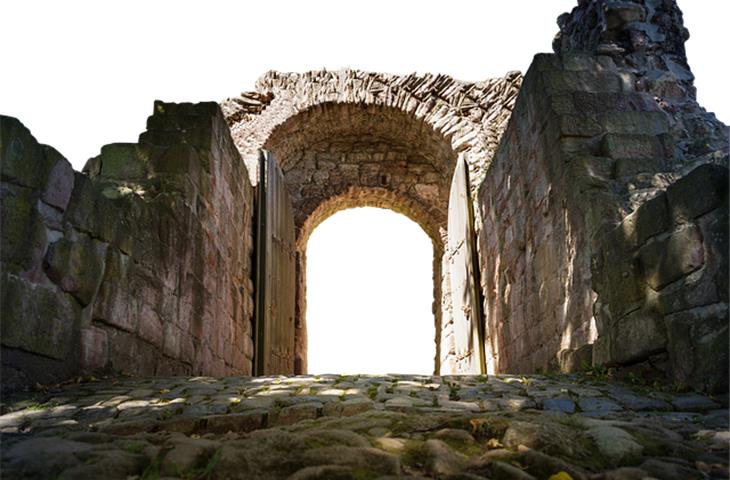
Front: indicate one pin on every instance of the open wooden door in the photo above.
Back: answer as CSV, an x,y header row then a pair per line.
x,y
275,272
463,268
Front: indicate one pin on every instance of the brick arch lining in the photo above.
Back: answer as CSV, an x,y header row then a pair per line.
x,y
328,149
370,197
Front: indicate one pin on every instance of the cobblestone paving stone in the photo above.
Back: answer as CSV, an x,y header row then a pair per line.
x,y
365,426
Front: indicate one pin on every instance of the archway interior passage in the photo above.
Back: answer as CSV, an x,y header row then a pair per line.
x,y
370,294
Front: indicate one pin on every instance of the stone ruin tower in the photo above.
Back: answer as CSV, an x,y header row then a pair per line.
x,y
578,213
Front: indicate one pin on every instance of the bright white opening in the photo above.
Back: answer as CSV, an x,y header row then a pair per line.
x,y
369,295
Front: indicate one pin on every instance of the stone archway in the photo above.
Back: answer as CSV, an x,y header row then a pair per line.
x,y
342,155
351,138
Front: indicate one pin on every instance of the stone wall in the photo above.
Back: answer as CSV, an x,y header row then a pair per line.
x,y
602,131
141,264
662,279
533,247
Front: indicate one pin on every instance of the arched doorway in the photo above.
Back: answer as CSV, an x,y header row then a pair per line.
x,y
335,156
381,199
369,294
394,139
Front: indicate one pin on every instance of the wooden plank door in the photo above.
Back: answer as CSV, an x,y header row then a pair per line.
x,y
463,271
275,272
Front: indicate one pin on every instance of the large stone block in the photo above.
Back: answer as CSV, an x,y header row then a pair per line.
x,y
22,233
77,266
149,324
104,211
38,318
57,189
575,359
715,227
124,161
667,260
699,192
696,290
632,146
599,103
591,172
698,347
635,122
617,276
620,13
22,159
579,125
113,302
652,218
557,81
630,167
94,348
129,354
637,336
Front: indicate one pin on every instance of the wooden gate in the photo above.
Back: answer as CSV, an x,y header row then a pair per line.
x,y
275,272
463,271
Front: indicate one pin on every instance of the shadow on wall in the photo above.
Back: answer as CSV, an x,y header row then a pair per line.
x,y
662,279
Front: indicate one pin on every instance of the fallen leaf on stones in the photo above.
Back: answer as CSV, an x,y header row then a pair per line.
x,y
561,476
494,443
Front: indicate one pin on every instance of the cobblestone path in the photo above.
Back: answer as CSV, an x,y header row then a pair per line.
x,y
361,427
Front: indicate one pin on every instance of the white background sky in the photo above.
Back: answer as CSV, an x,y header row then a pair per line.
x,y
84,74
369,294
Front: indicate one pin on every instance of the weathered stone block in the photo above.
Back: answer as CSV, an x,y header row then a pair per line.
x,y
632,146
149,324
693,292
636,122
60,183
97,209
715,227
22,234
171,339
22,160
637,336
38,318
617,278
629,167
590,171
599,103
122,161
579,125
179,159
602,349
583,81
698,347
669,259
700,191
77,266
652,218
112,304
575,359
94,348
